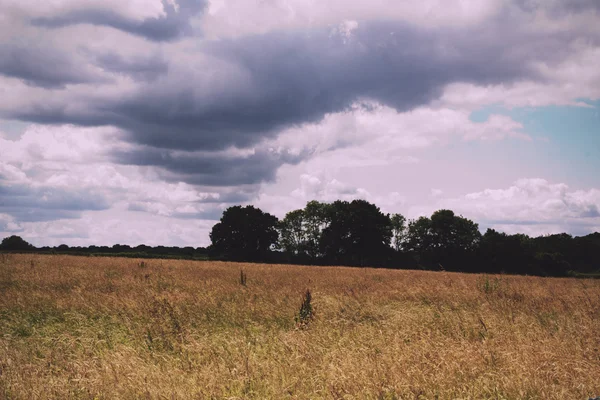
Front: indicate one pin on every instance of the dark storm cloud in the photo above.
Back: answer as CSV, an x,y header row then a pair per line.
x,y
173,25
239,92
279,80
57,113
42,66
139,68
261,84
213,169
29,204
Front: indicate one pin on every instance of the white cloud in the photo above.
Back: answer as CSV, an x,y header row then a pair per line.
x,y
118,226
240,17
534,205
58,160
312,187
67,143
382,132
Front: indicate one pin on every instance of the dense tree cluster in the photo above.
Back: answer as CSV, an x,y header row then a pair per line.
x,y
344,233
357,233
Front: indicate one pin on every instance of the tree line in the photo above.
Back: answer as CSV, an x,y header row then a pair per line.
x,y
357,233
16,243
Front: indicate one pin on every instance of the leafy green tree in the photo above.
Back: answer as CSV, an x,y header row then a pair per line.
x,y
316,219
293,236
301,231
418,236
358,234
444,240
334,241
399,229
454,232
244,234
15,243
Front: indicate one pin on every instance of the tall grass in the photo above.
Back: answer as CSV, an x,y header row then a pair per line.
x,y
106,328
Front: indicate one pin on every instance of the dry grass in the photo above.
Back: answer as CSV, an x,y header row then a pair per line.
x,y
106,328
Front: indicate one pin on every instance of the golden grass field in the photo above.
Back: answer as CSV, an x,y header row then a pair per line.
x,y
112,328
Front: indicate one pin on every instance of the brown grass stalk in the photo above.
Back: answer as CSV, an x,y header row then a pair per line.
x,y
105,328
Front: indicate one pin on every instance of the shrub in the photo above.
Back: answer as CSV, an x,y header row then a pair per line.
x,y
306,313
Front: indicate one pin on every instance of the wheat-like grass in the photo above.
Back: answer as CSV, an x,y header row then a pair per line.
x,y
108,328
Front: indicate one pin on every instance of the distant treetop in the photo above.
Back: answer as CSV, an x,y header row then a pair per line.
x,y
15,243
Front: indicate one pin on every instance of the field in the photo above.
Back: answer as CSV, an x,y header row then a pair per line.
x,y
108,328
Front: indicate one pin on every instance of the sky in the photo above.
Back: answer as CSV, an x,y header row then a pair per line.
x,y
140,121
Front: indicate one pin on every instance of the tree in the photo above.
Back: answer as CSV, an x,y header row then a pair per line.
x,y
15,243
244,234
62,247
418,236
499,252
398,230
585,253
453,232
443,240
293,237
316,219
552,264
301,231
358,233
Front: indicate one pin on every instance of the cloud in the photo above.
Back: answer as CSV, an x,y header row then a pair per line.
x,y
173,110
247,92
45,67
563,84
234,18
139,68
533,205
26,198
66,172
239,92
227,168
315,188
382,132
325,188
44,203
559,7
174,24
134,9
117,226
187,211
